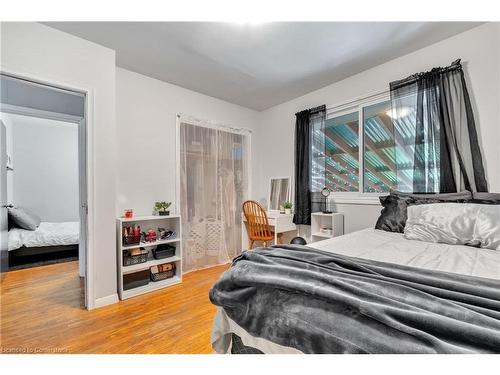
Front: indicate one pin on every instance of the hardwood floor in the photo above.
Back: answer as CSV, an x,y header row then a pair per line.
x,y
41,311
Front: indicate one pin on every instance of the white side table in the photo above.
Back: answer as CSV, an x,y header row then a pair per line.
x,y
321,221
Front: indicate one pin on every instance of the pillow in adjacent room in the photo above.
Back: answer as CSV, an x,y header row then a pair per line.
x,y
24,218
393,215
455,224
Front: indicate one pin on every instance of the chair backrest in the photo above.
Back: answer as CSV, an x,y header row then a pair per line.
x,y
258,225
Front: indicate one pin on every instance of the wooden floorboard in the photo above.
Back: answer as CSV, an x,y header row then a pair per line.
x,y
41,311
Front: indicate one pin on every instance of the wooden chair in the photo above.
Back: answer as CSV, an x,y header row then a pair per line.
x,y
258,224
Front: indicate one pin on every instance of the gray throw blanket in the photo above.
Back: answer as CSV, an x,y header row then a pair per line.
x,y
319,302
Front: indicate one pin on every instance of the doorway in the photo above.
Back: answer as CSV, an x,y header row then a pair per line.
x,y
43,213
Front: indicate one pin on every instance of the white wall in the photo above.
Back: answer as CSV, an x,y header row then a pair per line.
x,y
479,49
40,52
45,158
146,120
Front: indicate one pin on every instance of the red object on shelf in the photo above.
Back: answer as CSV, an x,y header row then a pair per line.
x,y
129,213
150,235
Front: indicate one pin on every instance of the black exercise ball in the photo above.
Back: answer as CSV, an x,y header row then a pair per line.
x,y
298,241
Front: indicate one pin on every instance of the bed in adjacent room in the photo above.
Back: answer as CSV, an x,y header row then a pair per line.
x,y
49,243
371,291
46,235
33,242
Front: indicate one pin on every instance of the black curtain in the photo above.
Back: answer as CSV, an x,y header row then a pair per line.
x,y
304,126
435,133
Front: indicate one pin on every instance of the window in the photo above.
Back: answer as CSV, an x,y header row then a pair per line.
x,y
348,159
337,152
379,154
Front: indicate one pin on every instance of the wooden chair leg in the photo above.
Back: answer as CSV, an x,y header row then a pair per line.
x,y
251,244
265,243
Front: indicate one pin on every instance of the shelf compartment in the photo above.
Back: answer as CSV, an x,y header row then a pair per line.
x,y
150,263
151,244
147,218
322,235
152,286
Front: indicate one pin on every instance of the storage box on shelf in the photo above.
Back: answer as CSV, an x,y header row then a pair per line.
x,y
130,259
134,267
162,272
324,226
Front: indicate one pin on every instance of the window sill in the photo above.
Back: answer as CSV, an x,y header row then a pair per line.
x,y
370,200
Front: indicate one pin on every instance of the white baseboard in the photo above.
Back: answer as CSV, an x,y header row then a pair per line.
x,y
104,301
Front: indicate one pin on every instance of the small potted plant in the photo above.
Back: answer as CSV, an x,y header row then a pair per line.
x,y
162,207
287,207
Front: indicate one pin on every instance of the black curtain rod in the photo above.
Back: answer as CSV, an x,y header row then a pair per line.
x,y
314,110
455,65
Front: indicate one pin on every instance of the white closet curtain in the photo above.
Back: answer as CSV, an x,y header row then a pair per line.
x,y
213,186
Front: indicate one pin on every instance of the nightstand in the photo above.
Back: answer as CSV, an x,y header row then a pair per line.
x,y
324,226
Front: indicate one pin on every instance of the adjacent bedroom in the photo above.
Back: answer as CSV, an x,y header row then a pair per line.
x,y
41,188
43,195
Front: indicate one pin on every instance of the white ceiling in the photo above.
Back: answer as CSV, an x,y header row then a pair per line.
x,y
260,65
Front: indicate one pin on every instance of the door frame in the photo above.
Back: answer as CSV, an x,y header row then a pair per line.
x,y
88,171
4,251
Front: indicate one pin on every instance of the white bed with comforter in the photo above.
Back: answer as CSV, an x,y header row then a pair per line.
x,y
385,247
47,234
392,247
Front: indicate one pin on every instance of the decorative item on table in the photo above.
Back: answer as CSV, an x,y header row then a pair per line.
x,y
325,193
164,251
135,256
131,235
150,235
162,208
287,206
162,271
166,234
128,213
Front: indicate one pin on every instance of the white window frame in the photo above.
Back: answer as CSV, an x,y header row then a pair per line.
x,y
357,104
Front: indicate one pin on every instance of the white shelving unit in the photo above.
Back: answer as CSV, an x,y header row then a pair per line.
x,y
172,222
319,220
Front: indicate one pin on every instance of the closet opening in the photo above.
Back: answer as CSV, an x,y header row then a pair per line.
x,y
213,181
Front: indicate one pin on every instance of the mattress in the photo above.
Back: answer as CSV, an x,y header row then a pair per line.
x,y
47,234
381,246
394,248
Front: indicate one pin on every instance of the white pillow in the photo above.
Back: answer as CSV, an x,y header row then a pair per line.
x,y
455,223
24,218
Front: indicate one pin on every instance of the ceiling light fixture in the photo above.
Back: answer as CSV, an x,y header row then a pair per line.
x,y
248,23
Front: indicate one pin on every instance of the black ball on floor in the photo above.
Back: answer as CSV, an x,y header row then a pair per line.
x,y
298,241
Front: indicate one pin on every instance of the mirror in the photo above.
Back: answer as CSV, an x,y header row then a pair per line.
x,y
279,192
